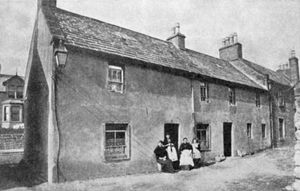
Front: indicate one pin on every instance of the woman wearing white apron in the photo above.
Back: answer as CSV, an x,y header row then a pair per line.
x,y
196,152
171,150
186,160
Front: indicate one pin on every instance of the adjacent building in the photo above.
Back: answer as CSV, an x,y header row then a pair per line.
x,y
99,97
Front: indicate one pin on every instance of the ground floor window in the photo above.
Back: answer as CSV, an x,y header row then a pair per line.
x,y
203,135
263,131
281,129
116,142
15,113
12,113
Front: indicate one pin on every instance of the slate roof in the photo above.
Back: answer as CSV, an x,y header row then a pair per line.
x,y
3,78
274,76
89,33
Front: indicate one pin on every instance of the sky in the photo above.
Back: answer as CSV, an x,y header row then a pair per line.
x,y
267,29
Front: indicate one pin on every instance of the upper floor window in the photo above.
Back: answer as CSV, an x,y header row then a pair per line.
x,y
257,99
115,81
281,100
20,92
203,91
15,92
231,96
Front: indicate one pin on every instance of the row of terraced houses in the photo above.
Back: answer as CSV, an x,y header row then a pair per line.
x,y
98,97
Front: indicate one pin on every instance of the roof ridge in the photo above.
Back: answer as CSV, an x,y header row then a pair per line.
x,y
268,69
205,55
97,20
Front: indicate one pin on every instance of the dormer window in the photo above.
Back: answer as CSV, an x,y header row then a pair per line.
x,y
115,79
15,92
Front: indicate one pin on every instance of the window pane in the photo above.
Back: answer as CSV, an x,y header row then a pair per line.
x,y
20,92
115,126
110,137
15,113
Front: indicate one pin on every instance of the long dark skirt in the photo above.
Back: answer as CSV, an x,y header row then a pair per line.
x,y
166,165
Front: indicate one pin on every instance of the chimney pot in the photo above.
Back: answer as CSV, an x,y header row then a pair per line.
x,y
231,49
177,38
294,67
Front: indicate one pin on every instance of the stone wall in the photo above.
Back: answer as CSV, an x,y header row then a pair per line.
x,y
11,142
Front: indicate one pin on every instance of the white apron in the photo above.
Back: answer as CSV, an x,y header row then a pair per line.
x,y
186,158
172,154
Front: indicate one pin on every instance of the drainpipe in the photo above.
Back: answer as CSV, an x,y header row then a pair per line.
x,y
270,110
50,132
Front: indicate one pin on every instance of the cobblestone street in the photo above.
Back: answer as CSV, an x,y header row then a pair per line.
x,y
269,170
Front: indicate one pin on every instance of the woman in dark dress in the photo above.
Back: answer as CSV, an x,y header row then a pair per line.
x,y
162,158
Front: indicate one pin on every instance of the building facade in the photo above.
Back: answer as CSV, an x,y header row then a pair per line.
x,y
99,97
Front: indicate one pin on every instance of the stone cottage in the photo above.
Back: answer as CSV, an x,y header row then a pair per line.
x,y
99,97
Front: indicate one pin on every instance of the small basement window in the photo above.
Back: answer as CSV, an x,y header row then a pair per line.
x,y
203,135
116,142
281,128
115,81
249,130
263,131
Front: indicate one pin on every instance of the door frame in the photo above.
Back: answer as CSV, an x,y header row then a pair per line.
x,y
178,132
231,138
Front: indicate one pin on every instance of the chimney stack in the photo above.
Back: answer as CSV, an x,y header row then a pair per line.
x,y
232,49
177,38
47,3
294,67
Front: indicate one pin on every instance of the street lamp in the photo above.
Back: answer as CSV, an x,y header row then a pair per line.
x,y
61,54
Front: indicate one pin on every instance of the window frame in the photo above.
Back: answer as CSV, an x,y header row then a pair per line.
x,y
117,157
204,127
231,96
6,114
112,81
12,114
204,89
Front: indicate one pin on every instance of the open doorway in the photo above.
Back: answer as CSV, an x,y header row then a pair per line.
x,y
172,130
227,139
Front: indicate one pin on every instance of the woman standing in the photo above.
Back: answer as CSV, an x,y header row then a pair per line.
x,y
171,150
196,152
186,160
